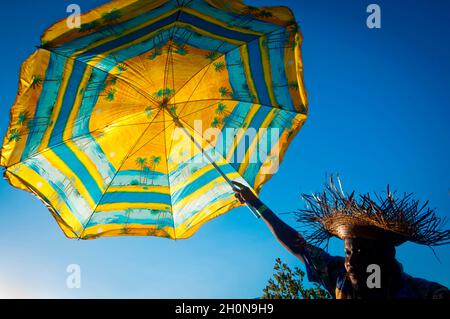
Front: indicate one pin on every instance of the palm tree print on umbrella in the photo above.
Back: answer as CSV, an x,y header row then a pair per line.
x,y
212,55
224,92
141,162
156,53
164,93
264,14
228,117
146,173
257,12
149,111
219,66
122,67
36,81
154,161
112,16
234,120
87,27
110,95
293,85
251,10
221,109
14,135
216,122
173,110
181,50
112,81
23,117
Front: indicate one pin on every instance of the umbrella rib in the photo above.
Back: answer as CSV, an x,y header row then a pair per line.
x,y
198,110
236,48
143,123
139,91
115,174
231,100
214,164
201,79
217,168
193,91
165,147
168,181
173,73
146,71
146,143
169,54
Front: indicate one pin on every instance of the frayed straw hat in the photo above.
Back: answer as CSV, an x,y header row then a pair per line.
x,y
385,218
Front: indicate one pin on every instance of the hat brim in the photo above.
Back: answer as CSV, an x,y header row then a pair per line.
x,y
351,230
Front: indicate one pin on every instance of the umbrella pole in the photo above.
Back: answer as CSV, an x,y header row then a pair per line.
x,y
179,124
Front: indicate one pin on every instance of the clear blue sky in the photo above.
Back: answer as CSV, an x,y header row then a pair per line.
x,y
379,112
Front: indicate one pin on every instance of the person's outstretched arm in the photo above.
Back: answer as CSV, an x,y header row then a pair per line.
x,y
284,233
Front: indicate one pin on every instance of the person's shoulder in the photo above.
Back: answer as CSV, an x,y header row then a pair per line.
x,y
425,289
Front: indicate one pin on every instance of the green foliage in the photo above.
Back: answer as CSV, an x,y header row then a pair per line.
x,y
289,284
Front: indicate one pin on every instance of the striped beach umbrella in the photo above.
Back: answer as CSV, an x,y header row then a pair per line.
x,y
136,121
